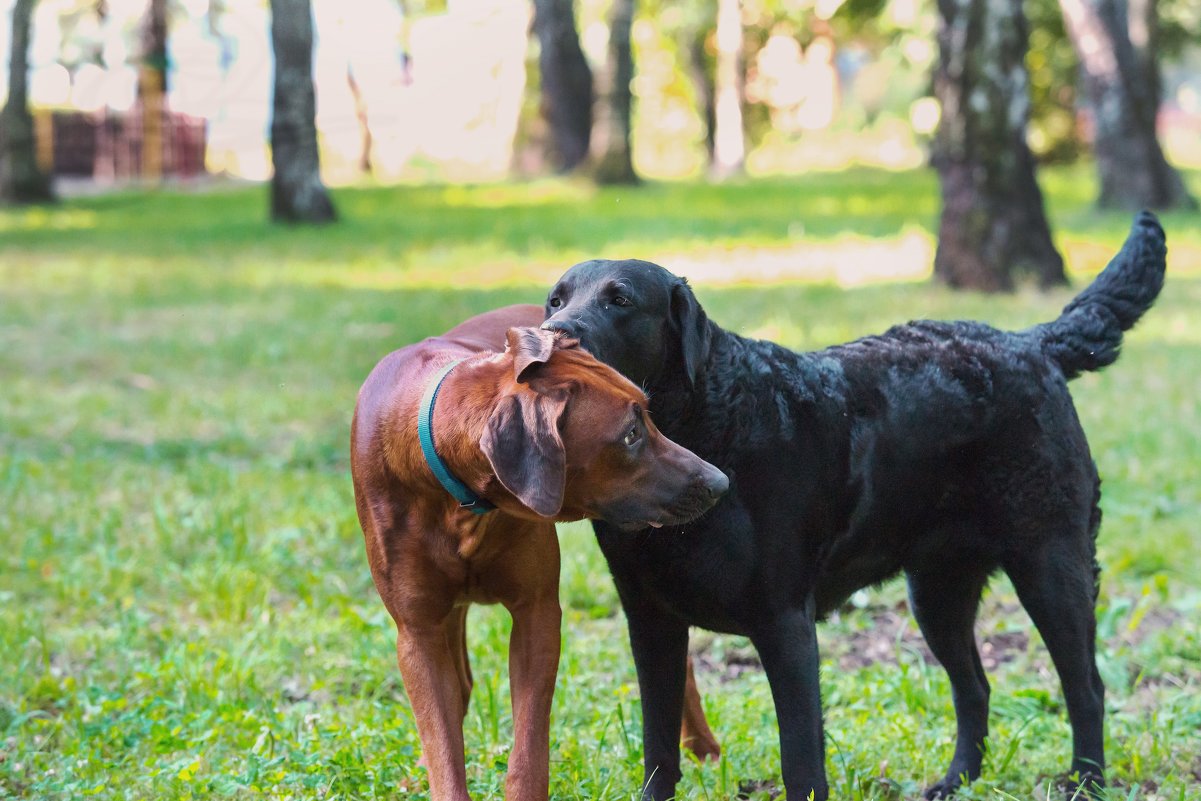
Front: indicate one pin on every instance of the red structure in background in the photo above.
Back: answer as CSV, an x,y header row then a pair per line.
x,y
107,146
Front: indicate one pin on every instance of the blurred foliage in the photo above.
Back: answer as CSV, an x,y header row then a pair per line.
x,y
884,54
1054,134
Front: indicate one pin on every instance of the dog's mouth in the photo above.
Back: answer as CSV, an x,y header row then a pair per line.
x,y
630,526
674,517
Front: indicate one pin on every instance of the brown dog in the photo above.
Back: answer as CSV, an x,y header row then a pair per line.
x,y
541,432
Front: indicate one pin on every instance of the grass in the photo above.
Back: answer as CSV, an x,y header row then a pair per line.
x,y
185,607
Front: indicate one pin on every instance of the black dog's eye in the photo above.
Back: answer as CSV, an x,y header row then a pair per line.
x,y
555,303
631,438
622,300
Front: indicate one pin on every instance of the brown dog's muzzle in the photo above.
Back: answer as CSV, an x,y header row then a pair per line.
x,y
673,487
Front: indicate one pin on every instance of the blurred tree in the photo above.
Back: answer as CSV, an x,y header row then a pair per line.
x,y
360,114
152,87
729,141
694,43
1116,43
615,164
21,180
993,226
297,194
1055,135
567,93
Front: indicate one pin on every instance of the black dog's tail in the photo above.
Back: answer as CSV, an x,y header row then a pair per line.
x,y
1088,334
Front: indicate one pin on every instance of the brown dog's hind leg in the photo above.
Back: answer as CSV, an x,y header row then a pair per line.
x,y
695,734
427,666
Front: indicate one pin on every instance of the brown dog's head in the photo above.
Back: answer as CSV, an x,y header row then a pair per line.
x,y
572,439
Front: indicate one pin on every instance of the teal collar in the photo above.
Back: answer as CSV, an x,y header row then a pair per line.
x,y
425,432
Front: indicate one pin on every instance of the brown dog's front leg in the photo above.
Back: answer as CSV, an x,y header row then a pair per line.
x,y
431,681
695,734
533,664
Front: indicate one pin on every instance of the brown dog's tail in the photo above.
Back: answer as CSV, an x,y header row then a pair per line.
x,y
1088,334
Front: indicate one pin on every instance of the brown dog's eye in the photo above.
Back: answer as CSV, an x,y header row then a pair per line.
x,y
555,303
631,438
622,300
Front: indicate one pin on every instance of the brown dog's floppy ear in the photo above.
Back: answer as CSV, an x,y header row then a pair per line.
x,y
530,347
692,326
523,446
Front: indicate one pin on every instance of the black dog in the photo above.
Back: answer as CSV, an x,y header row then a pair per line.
x,y
947,450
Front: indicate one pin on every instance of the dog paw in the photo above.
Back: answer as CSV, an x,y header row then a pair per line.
x,y
1088,786
942,789
705,749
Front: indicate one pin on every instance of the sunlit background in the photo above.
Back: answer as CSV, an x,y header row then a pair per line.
x,y
447,91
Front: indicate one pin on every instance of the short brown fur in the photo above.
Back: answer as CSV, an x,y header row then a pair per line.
x,y
531,428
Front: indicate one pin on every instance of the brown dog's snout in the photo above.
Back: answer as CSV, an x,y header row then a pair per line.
x,y
698,494
715,482
707,486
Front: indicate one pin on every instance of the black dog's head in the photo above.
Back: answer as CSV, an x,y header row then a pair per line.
x,y
635,316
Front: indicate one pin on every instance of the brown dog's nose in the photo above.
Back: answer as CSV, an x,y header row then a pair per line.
x,y
715,482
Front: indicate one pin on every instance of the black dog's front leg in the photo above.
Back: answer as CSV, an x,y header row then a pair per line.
x,y
788,648
660,646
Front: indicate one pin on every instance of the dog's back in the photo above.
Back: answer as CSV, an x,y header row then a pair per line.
x,y
953,382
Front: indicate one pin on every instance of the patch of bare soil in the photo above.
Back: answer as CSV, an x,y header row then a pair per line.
x,y
726,663
759,789
881,634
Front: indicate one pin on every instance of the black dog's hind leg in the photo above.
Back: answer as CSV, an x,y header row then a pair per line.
x,y
1057,585
945,601
660,646
787,646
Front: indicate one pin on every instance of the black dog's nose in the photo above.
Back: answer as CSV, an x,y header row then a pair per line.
x,y
566,326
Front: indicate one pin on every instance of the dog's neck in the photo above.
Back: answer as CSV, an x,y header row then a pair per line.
x,y
464,404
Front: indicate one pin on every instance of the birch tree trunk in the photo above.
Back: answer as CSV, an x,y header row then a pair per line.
x,y
729,144
694,45
993,226
616,164
1116,48
566,79
21,180
297,194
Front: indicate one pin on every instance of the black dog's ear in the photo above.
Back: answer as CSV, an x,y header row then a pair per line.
x,y
692,326
523,445
530,347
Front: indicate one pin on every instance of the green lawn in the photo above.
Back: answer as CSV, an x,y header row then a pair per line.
x,y
185,606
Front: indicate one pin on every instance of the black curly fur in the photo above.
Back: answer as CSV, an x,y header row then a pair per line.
x,y
1088,334
947,450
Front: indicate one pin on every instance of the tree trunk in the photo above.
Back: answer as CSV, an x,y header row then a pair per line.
x,y
729,151
297,194
616,165
21,180
566,79
152,87
695,45
360,113
993,226
1121,81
